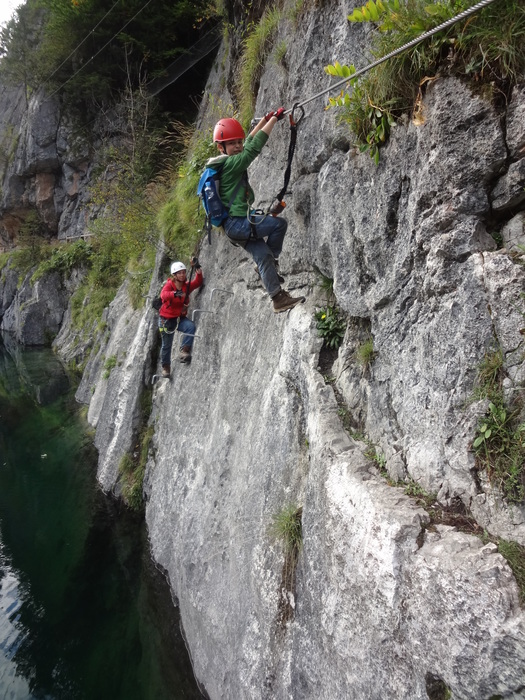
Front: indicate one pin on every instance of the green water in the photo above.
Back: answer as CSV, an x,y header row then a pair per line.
x,y
84,614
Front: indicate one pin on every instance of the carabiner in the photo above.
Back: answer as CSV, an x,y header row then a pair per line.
x,y
294,122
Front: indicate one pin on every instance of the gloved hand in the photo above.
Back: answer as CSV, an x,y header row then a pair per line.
x,y
194,262
279,114
269,115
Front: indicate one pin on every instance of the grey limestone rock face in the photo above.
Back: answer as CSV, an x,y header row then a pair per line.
x,y
384,605
8,287
515,123
513,234
114,381
509,192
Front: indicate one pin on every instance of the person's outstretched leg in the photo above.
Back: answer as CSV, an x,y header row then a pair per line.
x,y
273,230
264,249
167,330
186,327
264,259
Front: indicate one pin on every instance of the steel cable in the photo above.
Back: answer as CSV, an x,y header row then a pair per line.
x,y
414,42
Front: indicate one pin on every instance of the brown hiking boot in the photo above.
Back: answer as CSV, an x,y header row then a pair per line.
x,y
185,354
282,301
166,371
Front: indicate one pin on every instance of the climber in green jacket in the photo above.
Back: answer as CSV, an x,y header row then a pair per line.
x,y
261,235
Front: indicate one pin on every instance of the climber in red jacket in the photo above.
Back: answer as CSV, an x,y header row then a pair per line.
x,y
175,297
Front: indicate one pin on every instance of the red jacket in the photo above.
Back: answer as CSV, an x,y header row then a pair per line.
x,y
173,299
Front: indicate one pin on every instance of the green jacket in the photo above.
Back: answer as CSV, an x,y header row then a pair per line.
x,y
233,169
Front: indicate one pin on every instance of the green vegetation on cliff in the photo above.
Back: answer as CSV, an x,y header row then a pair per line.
x,y
488,49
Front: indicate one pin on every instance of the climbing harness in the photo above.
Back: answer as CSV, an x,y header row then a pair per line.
x,y
163,329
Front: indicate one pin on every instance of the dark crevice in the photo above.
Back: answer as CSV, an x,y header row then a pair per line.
x,y
436,687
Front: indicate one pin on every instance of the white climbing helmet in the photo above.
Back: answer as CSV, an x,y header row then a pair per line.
x,y
177,267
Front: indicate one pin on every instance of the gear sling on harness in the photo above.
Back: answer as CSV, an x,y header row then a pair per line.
x,y
280,204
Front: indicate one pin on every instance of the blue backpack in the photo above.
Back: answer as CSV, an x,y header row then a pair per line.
x,y
208,193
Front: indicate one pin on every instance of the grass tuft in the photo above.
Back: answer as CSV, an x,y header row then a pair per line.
x,y
365,353
256,48
286,527
514,553
499,444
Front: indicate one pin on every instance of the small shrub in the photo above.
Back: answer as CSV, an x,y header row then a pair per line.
x,y
373,455
365,353
32,248
514,553
331,326
345,417
65,258
415,490
488,48
286,527
380,459
500,449
368,120
109,364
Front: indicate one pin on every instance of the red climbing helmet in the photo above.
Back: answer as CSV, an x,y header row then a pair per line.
x,y
227,130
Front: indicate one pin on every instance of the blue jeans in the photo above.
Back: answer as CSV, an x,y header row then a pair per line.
x,y
264,252
167,327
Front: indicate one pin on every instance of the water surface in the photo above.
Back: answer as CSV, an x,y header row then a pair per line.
x,y
84,614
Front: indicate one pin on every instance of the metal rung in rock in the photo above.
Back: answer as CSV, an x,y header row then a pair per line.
x,y
200,311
